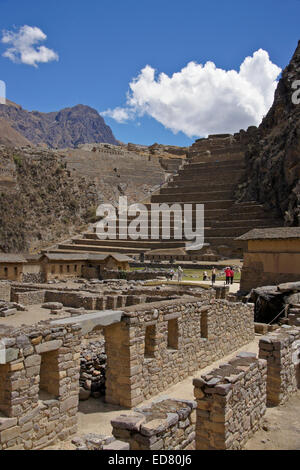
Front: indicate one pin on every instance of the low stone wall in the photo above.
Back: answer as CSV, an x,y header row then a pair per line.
x,y
5,291
33,297
281,349
231,402
157,345
132,275
33,277
166,424
39,386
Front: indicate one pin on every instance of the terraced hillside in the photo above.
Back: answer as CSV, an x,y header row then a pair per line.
x,y
214,168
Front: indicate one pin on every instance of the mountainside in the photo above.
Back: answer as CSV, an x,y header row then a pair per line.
x,y
273,156
66,128
40,202
9,136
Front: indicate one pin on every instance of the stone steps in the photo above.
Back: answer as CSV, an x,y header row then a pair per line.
x,y
98,249
151,244
214,204
198,196
174,188
232,176
196,157
225,164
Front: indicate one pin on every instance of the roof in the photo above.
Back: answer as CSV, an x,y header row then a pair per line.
x,y
271,233
86,256
34,258
12,258
66,256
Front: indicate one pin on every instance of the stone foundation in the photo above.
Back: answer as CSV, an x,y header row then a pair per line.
x,y
282,352
231,402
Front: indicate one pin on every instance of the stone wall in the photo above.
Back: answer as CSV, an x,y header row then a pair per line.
x,y
33,277
281,349
5,290
33,297
231,402
39,386
165,424
132,275
157,345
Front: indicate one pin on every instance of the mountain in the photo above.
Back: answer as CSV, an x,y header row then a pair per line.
x,y
60,129
273,156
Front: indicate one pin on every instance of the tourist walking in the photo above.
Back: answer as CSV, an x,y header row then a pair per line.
x,y
180,273
205,276
171,273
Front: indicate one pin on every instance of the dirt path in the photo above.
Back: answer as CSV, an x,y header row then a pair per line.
x,y
281,428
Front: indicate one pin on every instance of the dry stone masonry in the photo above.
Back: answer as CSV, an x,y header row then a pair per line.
x,y
231,402
39,386
157,345
282,352
165,424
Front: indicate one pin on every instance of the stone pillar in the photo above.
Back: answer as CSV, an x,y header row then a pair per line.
x,y
280,351
124,365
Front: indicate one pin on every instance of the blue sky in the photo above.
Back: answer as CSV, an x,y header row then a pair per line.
x,y
103,45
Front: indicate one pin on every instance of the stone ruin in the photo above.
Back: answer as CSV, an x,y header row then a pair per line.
x,y
132,353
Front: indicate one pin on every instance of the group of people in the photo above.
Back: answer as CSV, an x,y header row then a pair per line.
x,y
229,273
179,274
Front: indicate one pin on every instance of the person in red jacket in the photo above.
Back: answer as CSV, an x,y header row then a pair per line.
x,y
227,274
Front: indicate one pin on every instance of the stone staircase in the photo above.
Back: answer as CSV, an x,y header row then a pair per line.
x,y
214,168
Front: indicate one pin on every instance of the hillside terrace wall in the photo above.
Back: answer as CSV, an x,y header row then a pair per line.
x,y
160,344
282,352
39,386
231,402
165,424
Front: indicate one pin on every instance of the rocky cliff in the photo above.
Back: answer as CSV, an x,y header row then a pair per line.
x,y
66,128
273,155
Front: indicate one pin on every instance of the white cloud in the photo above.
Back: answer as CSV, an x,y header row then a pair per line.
x,y
203,99
23,46
119,114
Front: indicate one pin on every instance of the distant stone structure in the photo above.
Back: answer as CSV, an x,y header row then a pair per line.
x,y
271,257
60,266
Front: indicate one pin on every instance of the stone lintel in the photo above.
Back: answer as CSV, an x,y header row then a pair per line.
x,y
90,321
